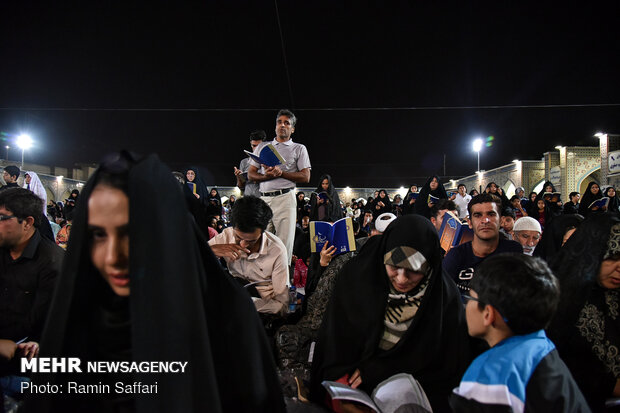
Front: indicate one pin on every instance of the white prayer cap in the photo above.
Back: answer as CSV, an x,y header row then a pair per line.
x,y
527,224
383,221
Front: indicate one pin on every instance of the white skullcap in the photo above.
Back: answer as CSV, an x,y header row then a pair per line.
x,y
527,224
384,220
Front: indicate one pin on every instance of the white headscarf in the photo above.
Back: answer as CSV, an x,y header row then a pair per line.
x,y
37,187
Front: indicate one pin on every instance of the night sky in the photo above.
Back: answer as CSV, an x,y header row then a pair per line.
x,y
382,90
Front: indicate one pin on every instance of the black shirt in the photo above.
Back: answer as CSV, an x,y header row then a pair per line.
x,y
460,262
26,287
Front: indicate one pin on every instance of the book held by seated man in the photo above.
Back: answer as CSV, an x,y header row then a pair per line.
x,y
268,156
600,203
453,232
339,234
400,392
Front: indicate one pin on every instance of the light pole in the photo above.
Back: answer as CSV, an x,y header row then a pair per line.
x,y
24,142
477,146
7,151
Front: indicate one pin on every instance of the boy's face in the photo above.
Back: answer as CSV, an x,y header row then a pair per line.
x,y
507,223
475,317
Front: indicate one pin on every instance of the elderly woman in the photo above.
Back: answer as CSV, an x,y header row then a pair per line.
x,y
393,312
140,284
586,328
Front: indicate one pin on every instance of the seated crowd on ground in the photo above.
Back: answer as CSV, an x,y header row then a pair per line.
x,y
146,264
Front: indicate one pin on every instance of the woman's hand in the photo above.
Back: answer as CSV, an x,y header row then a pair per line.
x,y
327,254
28,349
356,379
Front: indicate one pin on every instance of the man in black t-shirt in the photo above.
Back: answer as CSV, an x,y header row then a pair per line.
x,y
461,262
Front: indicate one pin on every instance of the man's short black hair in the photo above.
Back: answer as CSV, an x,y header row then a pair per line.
x,y
484,198
522,288
509,212
12,170
572,194
512,198
258,135
441,205
22,203
250,213
290,115
461,185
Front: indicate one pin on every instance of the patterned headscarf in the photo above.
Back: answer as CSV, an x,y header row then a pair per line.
x,y
613,244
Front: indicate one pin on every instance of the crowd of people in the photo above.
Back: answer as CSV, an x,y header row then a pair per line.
x,y
151,265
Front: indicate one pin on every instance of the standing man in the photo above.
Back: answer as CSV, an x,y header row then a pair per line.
x,y
248,186
10,175
484,216
461,200
277,183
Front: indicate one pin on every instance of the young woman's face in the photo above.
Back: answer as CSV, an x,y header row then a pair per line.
x,y
540,204
594,189
434,184
213,192
533,196
27,178
548,188
382,194
190,175
325,184
108,225
414,188
611,192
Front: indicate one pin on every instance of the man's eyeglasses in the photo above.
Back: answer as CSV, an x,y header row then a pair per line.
x,y
6,217
466,298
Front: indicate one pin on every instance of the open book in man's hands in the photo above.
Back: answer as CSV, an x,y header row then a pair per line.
x,y
268,156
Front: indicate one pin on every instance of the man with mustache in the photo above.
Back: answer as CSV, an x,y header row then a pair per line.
x,y
484,217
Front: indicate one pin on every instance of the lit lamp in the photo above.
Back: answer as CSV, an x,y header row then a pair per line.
x,y
7,151
24,142
477,146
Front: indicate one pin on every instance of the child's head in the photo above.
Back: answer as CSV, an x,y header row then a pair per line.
x,y
507,220
513,292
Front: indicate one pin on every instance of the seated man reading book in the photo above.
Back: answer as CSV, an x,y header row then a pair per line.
x,y
254,255
512,299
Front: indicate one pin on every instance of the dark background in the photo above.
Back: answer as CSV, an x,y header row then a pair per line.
x,y
382,90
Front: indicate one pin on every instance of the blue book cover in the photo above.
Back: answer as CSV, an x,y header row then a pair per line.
x,y
433,199
268,156
600,203
192,187
340,234
453,232
322,195
413,195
